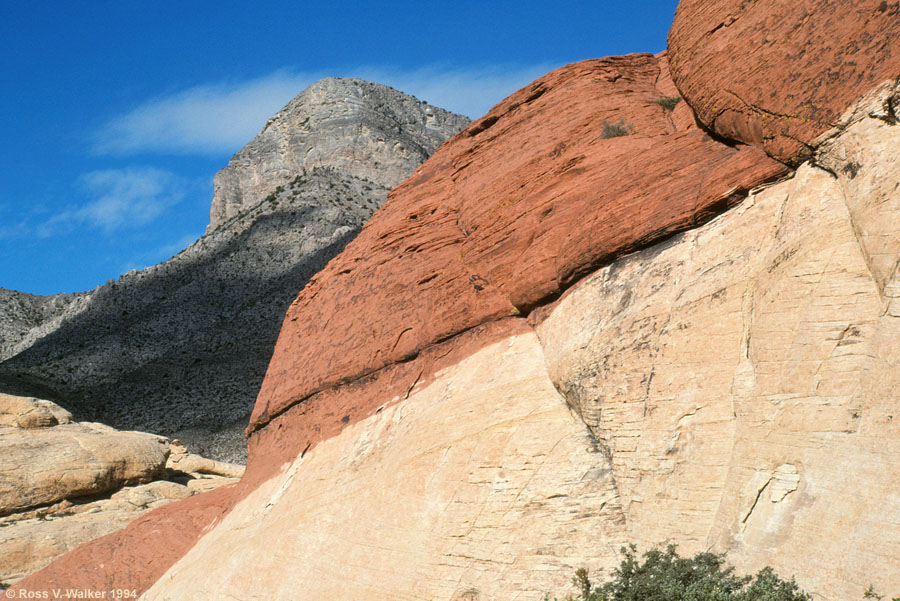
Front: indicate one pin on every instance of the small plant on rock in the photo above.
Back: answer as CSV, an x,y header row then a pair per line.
x,y
667,102
615,130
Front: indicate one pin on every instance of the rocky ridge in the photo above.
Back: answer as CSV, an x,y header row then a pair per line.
x,y
364,130
166,349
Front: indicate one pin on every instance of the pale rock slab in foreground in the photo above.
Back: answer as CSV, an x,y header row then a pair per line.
x,y
480,485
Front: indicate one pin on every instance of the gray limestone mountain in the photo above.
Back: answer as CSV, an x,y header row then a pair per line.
x,y
365,130
180,348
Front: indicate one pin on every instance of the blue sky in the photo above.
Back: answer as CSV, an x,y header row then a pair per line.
x,y
116,115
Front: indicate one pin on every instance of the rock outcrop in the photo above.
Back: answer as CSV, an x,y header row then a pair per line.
x,y
585,321
63,484
364,130
181,348
564,198
801,65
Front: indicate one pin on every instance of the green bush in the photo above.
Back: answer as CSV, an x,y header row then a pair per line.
x,y
614,130
871,595
667,102
665,576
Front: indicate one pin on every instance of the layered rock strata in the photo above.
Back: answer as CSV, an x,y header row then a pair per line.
x,y
167,349
775,436
453,248
63,484
438,239
551,340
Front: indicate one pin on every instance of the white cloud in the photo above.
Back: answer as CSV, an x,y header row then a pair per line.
x,y
217,119
119,198
204,119
470,91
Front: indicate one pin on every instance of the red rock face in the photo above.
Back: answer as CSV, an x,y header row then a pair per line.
x,y
502,219
778,74
135,557
506,216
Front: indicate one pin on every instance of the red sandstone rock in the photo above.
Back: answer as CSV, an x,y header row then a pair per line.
x,y
136,556
778,74
504,217
501,219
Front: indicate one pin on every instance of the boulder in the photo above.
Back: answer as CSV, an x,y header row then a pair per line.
x,y
29,412
800,65
42,466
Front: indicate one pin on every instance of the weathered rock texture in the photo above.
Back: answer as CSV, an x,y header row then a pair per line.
x,y
500,486
42,466
365,130
800,65
749,404
732,379
181,348
504,217
64,484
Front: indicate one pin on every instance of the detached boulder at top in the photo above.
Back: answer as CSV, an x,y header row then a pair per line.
x,y
779,74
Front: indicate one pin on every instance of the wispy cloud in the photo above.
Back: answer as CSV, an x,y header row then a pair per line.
x,y
119,198
205,119
470,91
219,118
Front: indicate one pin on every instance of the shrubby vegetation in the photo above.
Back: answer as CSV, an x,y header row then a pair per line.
x,y
665,576
614,130
667,102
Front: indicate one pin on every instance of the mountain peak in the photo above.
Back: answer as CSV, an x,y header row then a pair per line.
x,y
362,129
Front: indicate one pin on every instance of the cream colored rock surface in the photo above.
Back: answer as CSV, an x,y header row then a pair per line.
x,y
29,412
744,376
182,460
481,485
45,465
28,545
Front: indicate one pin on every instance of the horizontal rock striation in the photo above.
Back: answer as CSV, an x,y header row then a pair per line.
x,y
801,65
181,348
